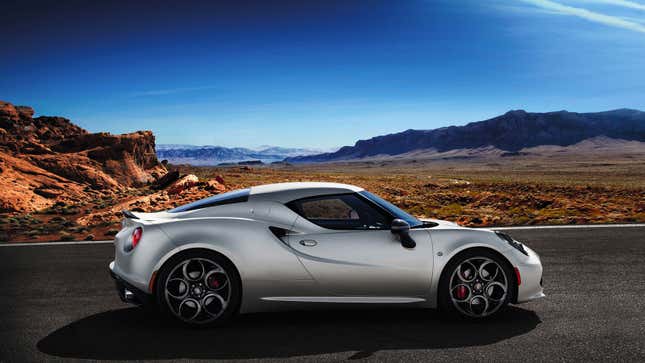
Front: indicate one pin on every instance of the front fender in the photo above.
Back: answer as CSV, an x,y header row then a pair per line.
x,y
450,242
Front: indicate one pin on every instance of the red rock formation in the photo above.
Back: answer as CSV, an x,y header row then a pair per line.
x,y
213,185
45,159
172,196
183,183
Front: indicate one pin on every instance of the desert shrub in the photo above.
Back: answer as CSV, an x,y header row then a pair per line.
x,y
58,219
418,210
111,232
89,237
78,229
33,233
64,236
452,209
636,217
69,223
70,210
521,220
515,211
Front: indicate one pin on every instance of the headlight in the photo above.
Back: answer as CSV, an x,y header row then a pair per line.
x,y
517,245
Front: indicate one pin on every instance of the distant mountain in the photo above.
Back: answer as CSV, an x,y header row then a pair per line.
x,y
512,131
177,147
214,155
287,152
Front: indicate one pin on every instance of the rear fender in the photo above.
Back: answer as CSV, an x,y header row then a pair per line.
x,y
255,251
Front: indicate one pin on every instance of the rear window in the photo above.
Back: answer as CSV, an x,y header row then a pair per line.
x,y
236,196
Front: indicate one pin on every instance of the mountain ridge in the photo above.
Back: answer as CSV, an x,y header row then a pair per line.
x,y
511,131
213,155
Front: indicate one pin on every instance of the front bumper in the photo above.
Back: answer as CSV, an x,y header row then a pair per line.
x,y
531,275
129,293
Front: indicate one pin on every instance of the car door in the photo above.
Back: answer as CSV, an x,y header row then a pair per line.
x,y
355,253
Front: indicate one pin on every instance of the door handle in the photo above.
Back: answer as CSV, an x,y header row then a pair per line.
x,y
308,242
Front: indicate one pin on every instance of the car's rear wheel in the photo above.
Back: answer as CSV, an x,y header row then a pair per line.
x,y
199,288
476,284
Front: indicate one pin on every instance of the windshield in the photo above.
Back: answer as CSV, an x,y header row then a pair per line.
x,y
236,196
394,210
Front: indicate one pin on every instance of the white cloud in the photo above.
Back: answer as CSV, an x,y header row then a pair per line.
x,y
170,91
589,15
623,3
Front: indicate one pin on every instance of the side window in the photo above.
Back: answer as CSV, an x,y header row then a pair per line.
x,y
343,211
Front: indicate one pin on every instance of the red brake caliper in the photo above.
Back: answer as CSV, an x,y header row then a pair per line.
x,y
461,292
214,283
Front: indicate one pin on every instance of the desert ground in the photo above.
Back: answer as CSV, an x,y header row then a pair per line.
x,y
475,192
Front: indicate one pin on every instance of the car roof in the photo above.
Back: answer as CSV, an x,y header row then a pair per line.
x,y
286,192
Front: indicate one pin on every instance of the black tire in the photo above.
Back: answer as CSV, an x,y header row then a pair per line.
x,y
233,296
445,300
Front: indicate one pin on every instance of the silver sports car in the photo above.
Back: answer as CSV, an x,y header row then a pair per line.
x,y
297,245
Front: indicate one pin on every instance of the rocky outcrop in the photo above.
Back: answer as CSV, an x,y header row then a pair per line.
x,y
166,180
183,183
215,185
47,159
25,134
129,159
185,189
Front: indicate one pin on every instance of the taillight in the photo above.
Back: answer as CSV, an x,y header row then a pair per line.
x,y
134,239
136,236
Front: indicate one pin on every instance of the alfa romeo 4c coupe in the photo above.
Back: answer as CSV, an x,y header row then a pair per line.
x,y
300,245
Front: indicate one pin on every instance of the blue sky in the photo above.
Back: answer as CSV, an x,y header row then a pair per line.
x,y
316,73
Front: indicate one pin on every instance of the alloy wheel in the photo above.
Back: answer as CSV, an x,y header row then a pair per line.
x,y
197,290
478,287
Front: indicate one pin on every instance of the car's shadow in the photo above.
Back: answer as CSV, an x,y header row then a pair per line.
x,y
132,333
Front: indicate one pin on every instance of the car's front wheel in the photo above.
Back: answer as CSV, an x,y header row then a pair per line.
x,y
199,288
476,284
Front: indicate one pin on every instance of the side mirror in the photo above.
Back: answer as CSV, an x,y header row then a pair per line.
x,y
401,228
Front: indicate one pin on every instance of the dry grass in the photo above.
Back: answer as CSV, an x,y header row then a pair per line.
x,y
481,193
474,193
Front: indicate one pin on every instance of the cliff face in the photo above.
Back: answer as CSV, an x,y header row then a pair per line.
x,y
48,159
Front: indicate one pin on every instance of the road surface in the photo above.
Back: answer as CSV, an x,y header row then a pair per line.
x,y
57,302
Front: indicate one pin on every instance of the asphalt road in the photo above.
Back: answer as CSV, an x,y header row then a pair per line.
x,y
58,303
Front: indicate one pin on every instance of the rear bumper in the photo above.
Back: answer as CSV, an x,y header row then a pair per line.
x,y
129,293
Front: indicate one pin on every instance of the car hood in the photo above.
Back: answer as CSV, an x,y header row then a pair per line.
x,y
441,223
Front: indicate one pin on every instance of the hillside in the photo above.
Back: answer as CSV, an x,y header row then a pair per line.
x,y
45,160
510,132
